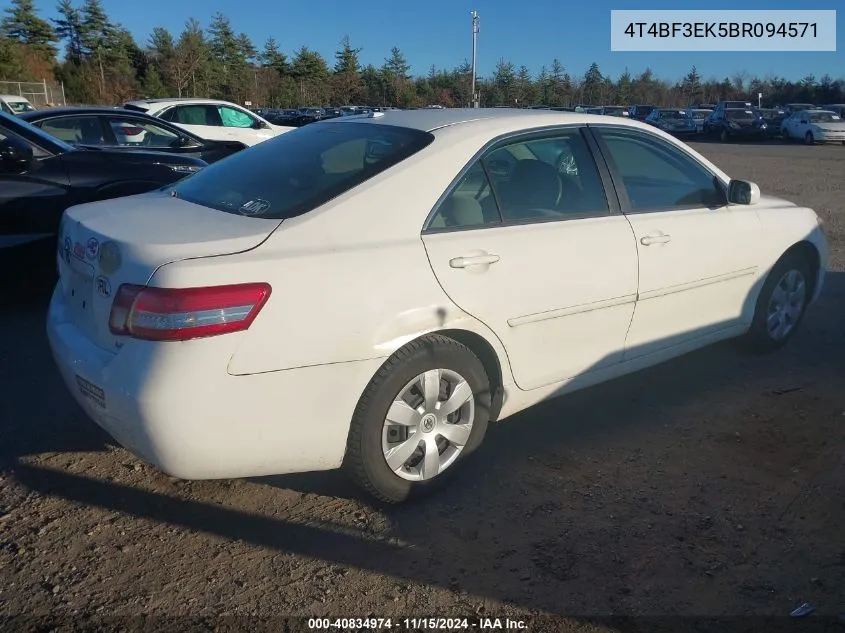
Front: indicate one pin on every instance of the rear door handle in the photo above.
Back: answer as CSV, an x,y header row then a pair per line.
x,y
473,260
659,238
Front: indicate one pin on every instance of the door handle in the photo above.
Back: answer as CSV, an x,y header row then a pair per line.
x,y
660,238
473,260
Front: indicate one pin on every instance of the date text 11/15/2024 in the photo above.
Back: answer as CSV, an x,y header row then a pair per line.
x,y
416,624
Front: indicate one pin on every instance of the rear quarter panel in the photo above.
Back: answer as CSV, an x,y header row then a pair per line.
x,y
351,280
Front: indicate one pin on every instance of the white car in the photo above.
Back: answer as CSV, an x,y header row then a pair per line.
x,y
814,126
372,291
15,104
211,119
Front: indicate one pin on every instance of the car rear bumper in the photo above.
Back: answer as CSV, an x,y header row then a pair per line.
x,y
175,405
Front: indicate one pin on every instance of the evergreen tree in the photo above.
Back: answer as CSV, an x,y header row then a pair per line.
x,y
23,25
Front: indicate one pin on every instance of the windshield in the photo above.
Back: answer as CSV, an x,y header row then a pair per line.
x,y
739,115
823,117
615,111
20,106
298,171
675,115
699,115
772,114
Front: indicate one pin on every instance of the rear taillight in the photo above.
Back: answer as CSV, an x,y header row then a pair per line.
x,y
179,314
131,130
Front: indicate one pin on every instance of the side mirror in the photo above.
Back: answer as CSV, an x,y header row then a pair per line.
x,y
260,125
186,142
743,192
16,154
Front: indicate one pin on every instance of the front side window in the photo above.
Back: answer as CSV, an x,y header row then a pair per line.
x,y
232,117
296,172
656,175
553,177
134,132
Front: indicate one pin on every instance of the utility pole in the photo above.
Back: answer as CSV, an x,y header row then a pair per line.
x,y
475,24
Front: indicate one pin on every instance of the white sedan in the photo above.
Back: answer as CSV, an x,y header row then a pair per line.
x,y
814,126
371,292
211,119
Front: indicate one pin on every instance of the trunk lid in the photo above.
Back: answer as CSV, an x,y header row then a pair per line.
x,y
123,241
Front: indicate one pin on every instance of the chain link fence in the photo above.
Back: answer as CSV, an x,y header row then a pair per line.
x,y
39,93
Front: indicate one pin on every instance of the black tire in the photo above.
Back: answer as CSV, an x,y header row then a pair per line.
x,y
808,138
758,338
785,136
724,136
364,460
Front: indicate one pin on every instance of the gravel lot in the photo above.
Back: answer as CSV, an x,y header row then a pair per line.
x,y
713,485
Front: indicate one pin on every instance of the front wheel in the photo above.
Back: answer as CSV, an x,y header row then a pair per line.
x,y
785,136
426,409
808,138
781,304
723,135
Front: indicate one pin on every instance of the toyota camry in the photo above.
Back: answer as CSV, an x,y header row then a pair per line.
x,y
371,292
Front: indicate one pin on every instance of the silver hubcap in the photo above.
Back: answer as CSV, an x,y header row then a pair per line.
x,y
786,304
428,424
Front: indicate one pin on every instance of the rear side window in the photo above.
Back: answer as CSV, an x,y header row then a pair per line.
x,y
298,171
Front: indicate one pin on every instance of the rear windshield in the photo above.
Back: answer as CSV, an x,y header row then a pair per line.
x,y
300,170
739,115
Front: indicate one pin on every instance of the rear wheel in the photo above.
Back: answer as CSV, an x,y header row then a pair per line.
x,y
723,135
426,409
785,136
781,304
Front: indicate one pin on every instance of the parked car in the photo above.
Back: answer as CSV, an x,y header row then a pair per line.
x,y
792,108
15,104
41,176
699,116
288,117
209,353
640,112
773,117
836,108
120,129
614,111
731,123
331,113
814,126
211,119
672,121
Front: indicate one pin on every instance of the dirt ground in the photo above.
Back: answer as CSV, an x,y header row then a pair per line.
x,y
711,486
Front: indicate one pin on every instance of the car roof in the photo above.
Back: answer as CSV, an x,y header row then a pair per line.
x,y
495,120
145,103
14,98
50,112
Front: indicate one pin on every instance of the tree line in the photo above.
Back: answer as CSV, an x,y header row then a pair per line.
x,y
102,63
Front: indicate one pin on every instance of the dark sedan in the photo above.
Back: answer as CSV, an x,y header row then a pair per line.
x,y
673,121
773,118
116,128
731,123
41,176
